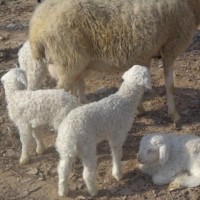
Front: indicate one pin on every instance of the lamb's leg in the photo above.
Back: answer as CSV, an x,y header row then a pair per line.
x,y
25,137
64,169
116,158
140,107
89,171
165,176
40,147
185,180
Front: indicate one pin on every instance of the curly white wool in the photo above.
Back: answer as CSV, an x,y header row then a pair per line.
x,y
108,119
31,110
168,157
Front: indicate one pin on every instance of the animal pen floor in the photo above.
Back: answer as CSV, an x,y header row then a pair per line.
x,y
38,180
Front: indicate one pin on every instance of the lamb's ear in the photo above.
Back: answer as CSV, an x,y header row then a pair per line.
x,y
2,80
163,154
125,75
23,81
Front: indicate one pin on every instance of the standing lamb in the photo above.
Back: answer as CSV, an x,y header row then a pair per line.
x,y
112,36
108,119
36,71
31,110
167,158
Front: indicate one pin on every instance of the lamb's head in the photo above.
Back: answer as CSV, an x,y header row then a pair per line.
x,y
139,75
154,150
15,79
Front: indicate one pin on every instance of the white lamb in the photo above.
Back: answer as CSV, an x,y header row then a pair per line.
x,y
108,119
36,71
167,158
31,110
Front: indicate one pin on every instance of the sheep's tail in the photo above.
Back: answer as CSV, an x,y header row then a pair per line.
x,y
185,181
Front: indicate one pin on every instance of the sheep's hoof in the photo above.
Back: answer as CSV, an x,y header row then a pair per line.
x,y
174,186
175,117
24,161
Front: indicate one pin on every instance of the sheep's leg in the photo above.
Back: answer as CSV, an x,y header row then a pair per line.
x,y
40,147
185,180
64,169
169,84
116,158
89,170
78,89
71,77
25,137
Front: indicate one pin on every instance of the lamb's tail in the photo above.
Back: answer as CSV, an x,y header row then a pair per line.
x,y
184,181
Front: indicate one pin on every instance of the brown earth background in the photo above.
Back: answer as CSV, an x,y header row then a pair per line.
x,y
38,180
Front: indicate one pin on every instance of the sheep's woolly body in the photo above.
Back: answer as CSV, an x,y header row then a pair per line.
x,y
112,36
110,31
31,110
183,155
108,119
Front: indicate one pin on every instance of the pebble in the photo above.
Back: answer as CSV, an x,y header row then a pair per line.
x,y
11,26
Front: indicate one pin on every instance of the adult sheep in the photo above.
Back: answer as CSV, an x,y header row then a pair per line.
x,y
82,35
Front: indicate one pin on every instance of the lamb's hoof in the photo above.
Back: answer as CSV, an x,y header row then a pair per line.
x,y
141,111
41,150
24,161
175,117
93,192
174,186
117,176
62,193
84,100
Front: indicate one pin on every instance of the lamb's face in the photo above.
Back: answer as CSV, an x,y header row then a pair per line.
x,y
15,76
148,155
139,75
153,150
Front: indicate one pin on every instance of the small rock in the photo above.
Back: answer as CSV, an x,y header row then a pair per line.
x,y
80,198
10,153
185,112
126,191
11,26
2,2
33,171
113,190
25,180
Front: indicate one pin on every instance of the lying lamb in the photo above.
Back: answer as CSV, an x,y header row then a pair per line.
x,y
31,110
112,35
108,119
167,158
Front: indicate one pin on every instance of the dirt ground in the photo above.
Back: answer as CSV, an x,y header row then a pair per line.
x,y
38,180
